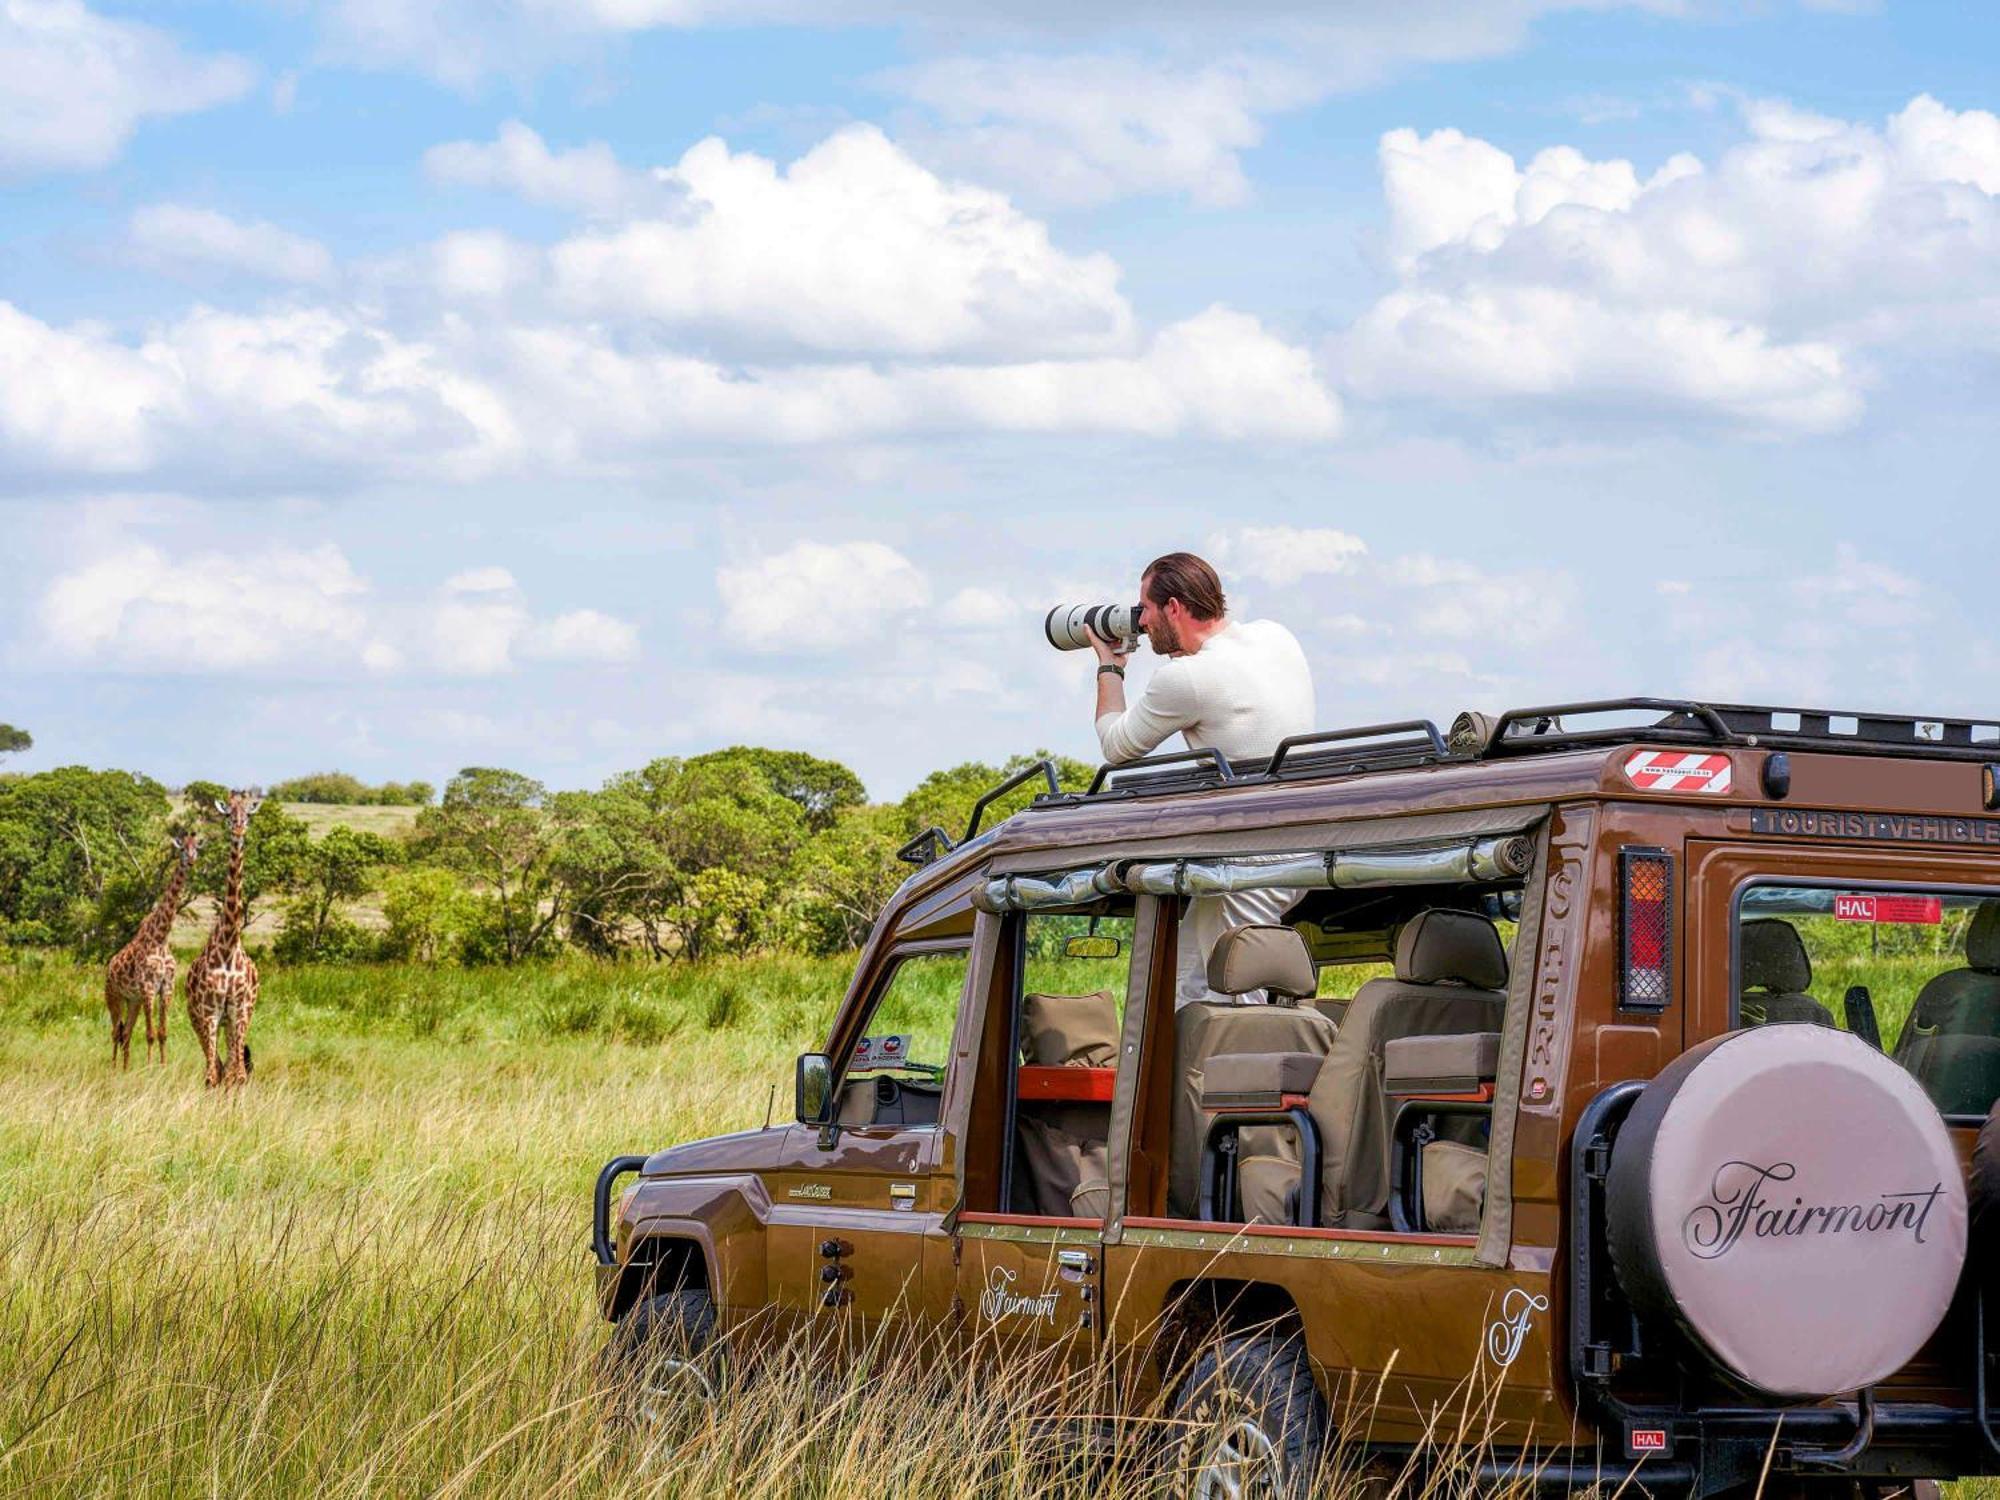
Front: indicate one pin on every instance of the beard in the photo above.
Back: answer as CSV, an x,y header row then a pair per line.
x,y
1162,637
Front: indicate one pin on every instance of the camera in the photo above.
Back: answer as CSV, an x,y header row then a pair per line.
x,y
1069,626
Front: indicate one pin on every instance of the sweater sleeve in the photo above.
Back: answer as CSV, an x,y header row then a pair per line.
x,y
1170,703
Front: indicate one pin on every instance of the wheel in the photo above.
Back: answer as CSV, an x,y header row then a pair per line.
x,y
1252,1422
662,1358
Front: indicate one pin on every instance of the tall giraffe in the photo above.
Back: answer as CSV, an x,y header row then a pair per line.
x,y
222,985
139,980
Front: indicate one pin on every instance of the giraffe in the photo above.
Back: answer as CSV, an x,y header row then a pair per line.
x,y
222,985
139,980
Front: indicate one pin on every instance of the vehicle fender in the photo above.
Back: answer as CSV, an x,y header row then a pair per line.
x,y
724,1217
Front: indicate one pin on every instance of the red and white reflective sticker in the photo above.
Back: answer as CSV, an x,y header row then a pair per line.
x,y
1670,771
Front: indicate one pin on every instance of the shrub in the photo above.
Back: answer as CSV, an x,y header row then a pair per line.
x,y
429,914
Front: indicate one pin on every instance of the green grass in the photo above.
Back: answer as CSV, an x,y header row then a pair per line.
x,y
367,1274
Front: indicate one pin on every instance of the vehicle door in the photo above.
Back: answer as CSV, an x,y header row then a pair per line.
x,y
1027,1263
853,1201
1878,941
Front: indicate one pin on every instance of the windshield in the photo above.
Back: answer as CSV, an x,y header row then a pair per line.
x,y
1912,971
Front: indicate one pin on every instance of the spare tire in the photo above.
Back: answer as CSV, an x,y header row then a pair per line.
x,y
1985,1191
1788,1199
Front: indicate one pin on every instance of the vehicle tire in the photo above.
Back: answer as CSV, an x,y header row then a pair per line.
x,y
662,1354
1761,1179
1251,1422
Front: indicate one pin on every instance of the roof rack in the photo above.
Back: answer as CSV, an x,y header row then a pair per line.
x,y
1529,731
934,843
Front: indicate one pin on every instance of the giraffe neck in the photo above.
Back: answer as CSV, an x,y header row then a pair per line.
x,y
229,931
160,920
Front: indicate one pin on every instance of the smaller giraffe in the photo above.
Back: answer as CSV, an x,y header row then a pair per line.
x,y
222,984
139,980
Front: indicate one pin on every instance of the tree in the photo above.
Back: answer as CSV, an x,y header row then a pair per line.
x,y
340,865
840,879
81,855
822,789
503,830
13,741
428,913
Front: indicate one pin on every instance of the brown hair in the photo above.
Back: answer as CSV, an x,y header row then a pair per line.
x,y
1183,576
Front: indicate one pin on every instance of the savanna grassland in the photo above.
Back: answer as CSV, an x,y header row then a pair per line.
x,y
368,1273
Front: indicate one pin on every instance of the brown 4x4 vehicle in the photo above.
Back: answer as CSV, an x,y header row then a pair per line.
x,y
1653,1113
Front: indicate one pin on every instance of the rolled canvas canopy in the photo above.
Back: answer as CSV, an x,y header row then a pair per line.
x,y
1495,857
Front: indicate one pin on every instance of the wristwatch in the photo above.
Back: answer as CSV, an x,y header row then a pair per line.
x,y
1110,666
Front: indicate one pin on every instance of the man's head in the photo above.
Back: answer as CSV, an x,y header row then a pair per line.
x,y
1183,603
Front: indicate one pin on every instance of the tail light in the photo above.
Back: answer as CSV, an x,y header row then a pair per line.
x,y
1645,929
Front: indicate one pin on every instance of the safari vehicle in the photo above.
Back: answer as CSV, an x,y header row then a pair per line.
x,y
1623,1059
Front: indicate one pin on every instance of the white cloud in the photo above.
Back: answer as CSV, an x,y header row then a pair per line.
x,y
1285,554
851,248
74,85
819,597
280,607
138,609
1754,290
587,179
487,580
173,234
1085,128
976,608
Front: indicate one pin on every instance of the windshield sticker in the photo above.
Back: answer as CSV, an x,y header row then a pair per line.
x,y
1895,828
1665,771
881,1051
1902,911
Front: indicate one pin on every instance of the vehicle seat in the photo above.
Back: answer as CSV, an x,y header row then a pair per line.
x,y
1062,1146
1450,977
1951,1042
1776,975
1271,958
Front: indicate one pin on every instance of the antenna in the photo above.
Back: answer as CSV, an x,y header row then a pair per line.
x,y
770,1106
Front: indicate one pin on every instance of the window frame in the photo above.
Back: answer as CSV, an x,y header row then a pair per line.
x,y
1809,883
892,965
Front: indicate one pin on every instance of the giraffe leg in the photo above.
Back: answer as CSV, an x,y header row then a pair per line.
x,y
233,1027
156,1021
204,1019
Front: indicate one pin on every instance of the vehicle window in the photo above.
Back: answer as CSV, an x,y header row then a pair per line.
x,y
1915,972
1071,954
910,1029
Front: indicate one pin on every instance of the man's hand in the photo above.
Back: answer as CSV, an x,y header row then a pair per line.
x,y
1109,653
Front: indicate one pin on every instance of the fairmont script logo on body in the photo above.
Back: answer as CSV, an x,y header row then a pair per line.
x,y
1746,1200
1000,1300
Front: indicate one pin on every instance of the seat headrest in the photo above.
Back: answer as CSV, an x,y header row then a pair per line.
x,y
1263,957
1443,947
1982,938
1774,957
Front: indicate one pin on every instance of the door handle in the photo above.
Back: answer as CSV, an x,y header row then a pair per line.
x,y
1075,1264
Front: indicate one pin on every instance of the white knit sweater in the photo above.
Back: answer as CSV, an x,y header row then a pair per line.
x,y
1247,688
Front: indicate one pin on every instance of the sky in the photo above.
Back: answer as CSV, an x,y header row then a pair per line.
x,y
401,385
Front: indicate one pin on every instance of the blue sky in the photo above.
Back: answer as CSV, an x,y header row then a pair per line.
x,y
399,386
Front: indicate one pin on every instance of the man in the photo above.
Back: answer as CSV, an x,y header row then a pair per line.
x,y
1239,686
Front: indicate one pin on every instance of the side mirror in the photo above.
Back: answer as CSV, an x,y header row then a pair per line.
x,y
812,1086
1092,947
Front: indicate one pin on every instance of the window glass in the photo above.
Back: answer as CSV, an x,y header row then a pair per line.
x,y
1916,972
911,1026
1078,955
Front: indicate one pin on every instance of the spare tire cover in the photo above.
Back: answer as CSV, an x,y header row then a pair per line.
x,y
1789,1199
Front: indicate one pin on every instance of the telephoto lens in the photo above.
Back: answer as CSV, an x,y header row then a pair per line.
x,y
1069,626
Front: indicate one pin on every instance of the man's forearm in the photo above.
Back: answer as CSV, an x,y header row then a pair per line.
x,y
1110,695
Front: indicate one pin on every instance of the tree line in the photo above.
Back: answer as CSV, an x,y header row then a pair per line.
x,y
684,858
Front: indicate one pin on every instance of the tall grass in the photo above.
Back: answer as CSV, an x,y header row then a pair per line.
x,y
367,1274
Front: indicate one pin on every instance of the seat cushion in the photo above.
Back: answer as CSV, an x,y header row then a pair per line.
x,y
1266,956
1076,1031
1208,1029
1758,1008
1452,1063
1454,1187
1063,1152
1240,1079
1268,1189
